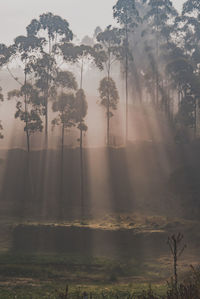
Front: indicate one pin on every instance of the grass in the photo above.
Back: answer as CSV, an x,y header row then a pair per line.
x,y
40,275
70,267
52,289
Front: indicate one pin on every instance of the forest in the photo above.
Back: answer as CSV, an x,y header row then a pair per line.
x,y
99,156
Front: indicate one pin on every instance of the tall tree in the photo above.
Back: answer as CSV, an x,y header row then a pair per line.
x,y
64,105
1,126
28,109
81,112
54,30
107,53
126,14
28,106
160,16
109,99
45,71
5,55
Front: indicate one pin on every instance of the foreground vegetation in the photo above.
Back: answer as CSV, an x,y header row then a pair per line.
x,y
189,289
41,275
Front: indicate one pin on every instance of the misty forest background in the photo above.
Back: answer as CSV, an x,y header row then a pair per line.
x,y
108,124
99,152
111,123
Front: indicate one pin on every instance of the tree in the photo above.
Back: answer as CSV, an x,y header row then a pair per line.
x,y
1,127
55,30
64,105
28,109
109,99
126,14
28,106
45,70
185,79
78,54
81,112
5,55
160,17
107,52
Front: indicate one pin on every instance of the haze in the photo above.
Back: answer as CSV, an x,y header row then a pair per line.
x,y
83,15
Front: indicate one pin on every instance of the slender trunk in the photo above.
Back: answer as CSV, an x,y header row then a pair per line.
x,y
157,54
81,175
195,118
29,177
26,115
50,45
61,170
108,124
28,141
46,120
179,97
126,78
47,99
81,151
81,81
108,103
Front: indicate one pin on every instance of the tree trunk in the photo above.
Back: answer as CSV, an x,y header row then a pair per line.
x,y
108,124
29,177
46,121
26,115
81,81
81,175
61,171
126,79
157,53
108,104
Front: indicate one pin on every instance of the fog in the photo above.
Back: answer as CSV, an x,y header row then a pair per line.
x,y
99,147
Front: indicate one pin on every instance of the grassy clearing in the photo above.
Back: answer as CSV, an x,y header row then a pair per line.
x,y
79,268
40,275
51,290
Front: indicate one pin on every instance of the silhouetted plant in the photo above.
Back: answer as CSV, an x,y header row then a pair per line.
x,y
109,100
175,245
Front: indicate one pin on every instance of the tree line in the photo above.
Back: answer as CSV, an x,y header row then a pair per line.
x,y
158,50
156,47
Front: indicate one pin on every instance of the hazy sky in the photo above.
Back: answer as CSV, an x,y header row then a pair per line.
x,y
83,15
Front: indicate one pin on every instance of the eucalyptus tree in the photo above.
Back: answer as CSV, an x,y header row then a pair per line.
x,y
51,27
186,81
64,101
160,18
97,30
127,15
108,52
190,22
54,30
109,48
45,82
28,109
28,106
1,126
109,99
79,54
64,104
5,55
81,112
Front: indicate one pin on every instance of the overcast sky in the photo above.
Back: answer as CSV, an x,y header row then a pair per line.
x,y
83,15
